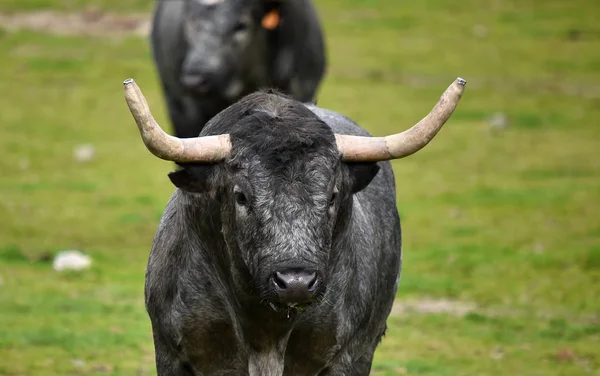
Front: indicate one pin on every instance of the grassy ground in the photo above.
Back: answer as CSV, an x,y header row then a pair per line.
x,y
505,220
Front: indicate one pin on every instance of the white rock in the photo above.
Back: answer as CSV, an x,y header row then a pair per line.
x,y
24,163
498,120
84,153
78,363
71,260
538,248
480,31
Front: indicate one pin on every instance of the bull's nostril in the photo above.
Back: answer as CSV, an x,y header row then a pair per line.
x,y
312,284
279,281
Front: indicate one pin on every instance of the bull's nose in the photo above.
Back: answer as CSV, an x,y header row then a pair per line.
x,y
195,82
295,286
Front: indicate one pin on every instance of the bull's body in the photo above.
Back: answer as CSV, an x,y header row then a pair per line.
x,y
290,58
207,318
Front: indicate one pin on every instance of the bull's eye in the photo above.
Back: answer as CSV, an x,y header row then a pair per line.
x,y
240,199
332,200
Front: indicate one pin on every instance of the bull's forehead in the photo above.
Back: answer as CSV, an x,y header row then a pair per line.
x,y
302,180
265,167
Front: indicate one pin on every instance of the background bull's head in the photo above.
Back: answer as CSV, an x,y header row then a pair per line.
x,y
220,35
284,194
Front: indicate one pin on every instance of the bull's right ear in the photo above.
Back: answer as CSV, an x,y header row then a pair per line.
x,y
197,178
361,174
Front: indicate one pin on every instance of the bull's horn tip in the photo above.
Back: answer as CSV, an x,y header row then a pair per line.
x,y
128,81
461,81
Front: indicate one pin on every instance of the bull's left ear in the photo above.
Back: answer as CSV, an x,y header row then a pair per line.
x,y
193,177
361,174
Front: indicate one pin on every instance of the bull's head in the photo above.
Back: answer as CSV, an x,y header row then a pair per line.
x,y
220,37
283,180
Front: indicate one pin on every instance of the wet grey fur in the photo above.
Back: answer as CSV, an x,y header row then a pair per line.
x,y
192,36
206,290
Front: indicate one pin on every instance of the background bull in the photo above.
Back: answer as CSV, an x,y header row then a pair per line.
x,y
280,251
209,53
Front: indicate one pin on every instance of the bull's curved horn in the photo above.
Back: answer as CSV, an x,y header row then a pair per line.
x,y
198,149
400,145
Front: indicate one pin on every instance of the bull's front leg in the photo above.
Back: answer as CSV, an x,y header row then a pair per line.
x,y
348,367
354,360
169,363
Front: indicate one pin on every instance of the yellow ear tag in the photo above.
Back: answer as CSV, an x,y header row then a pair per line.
x,y
271,20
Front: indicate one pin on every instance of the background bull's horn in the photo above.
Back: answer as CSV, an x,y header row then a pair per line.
x,y
373,149
199,149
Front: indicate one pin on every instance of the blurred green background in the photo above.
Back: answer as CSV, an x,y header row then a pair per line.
x,y
500,212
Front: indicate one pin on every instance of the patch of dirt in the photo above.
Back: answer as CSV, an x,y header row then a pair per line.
x,y
432,306
84,23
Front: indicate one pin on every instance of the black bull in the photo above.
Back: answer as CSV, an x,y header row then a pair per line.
x,y
280,251
210,53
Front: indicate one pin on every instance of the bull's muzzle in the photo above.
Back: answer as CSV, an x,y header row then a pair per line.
x,y
295,286
195,83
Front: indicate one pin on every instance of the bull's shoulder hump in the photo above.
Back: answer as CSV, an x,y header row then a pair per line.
x,y
338,122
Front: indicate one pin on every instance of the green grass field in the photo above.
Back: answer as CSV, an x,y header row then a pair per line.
x,y
503,220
